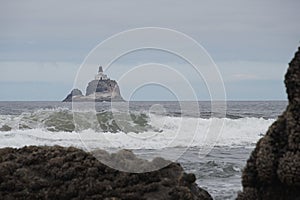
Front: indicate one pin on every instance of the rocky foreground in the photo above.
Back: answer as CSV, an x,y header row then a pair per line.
x,y
69,173
273,170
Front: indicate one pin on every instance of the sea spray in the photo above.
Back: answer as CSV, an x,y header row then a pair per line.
x,y
56,126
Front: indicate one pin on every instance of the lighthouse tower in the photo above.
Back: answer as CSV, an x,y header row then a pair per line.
x,y
101,75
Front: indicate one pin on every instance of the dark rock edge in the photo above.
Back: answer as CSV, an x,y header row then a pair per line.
x,y
69,173
107,89
273,169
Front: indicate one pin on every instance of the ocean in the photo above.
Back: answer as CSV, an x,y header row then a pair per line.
x,y
150,129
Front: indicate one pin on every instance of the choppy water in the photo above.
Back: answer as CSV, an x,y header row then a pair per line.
x,y
147,128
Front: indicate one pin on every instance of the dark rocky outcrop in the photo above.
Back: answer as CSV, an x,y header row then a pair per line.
x,y
98,90
273,169
69,173
74,93
102,86
104,90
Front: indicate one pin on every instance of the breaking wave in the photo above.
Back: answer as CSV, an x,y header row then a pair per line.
x,y
63,120
109,129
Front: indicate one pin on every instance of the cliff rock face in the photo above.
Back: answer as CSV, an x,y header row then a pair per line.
x,y
100,89
104,90
69,173
75,93
273,169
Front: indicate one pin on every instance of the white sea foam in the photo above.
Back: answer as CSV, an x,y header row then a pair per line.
x,y
175,131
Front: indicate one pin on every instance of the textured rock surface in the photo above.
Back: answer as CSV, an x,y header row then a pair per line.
x,y
104,90
74,93
97,90
69,173
273,169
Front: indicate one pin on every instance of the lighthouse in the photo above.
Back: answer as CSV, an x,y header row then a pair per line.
x,y
101,76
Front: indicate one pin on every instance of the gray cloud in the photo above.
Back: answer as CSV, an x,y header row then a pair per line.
x,y
232,24
246,38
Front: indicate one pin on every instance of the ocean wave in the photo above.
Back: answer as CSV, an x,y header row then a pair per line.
x,y
139,131
215,169
65,120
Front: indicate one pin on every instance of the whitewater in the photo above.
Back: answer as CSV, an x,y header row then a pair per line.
x,y
235,132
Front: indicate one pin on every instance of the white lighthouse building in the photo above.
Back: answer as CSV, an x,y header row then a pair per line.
x,y
101,75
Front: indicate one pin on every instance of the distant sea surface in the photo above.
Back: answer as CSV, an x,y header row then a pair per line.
x,y
219,172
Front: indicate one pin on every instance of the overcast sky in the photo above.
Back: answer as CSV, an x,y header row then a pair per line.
x,y
43,43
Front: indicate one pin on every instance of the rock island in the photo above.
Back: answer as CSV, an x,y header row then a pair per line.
x,y
102,88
